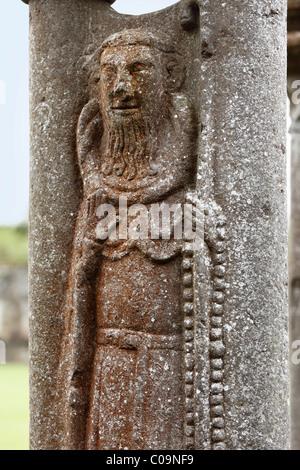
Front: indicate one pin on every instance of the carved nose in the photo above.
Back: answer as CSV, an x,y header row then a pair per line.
x,y
123,85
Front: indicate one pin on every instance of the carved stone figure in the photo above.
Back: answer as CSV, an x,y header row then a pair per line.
x,y
141,342
123,352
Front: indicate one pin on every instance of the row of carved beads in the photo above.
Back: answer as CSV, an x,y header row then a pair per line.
x,y
217,348
188,309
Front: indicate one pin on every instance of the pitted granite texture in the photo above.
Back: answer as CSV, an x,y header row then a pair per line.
x,y
227,372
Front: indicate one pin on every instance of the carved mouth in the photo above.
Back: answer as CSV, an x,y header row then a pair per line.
x,y
125,108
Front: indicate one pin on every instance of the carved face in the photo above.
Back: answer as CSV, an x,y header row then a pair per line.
x,y
131,81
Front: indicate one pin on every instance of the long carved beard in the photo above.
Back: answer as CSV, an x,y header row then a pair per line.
x,y
129,146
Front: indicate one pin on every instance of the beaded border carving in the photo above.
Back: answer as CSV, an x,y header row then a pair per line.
x,y
189,347
217,246
217,347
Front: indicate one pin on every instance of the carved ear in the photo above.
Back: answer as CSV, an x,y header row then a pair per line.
x,y
175,72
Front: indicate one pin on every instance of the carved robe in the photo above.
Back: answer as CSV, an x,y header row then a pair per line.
x,y
137,387
121,369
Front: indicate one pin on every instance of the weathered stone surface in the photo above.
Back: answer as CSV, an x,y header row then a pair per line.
x,y
71,93
294,240
228,301
243,135
135,138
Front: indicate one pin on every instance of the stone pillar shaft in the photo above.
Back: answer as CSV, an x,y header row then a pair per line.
x,y
236,81
244,139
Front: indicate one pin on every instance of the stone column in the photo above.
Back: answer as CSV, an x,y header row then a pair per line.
x,y
294,269
294,229
232,381
244,136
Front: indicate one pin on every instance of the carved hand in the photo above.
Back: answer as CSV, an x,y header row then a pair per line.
x,y
92,220
89,132
94,230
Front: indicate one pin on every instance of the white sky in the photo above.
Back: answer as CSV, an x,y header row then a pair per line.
x,y
14,127
14,114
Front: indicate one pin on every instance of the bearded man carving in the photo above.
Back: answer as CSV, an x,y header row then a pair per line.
x,y
121,369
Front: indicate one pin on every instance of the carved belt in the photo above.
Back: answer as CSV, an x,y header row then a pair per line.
x,y
129,339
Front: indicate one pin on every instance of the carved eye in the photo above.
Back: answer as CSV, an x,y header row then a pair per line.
x,y
109,71
138,67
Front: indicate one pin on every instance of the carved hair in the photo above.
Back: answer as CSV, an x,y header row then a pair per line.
x,y
172,60
138,37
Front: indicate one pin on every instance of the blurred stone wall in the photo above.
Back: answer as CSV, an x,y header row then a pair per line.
x,y
14,312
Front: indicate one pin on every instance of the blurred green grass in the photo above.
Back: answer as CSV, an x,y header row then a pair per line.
x,y
14,407
14,245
